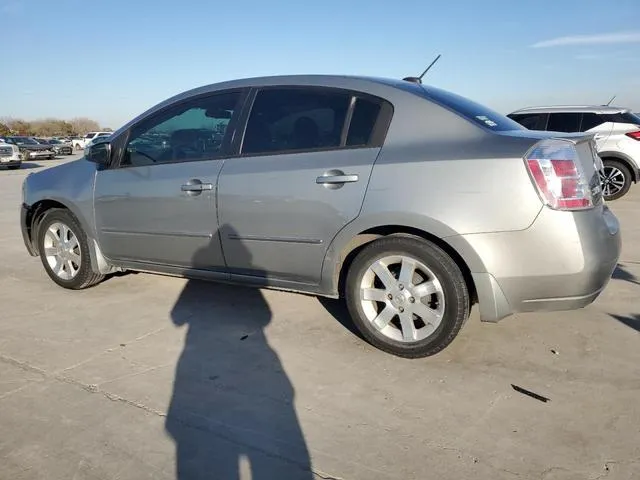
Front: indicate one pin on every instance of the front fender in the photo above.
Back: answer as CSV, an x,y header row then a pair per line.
x,y
67,186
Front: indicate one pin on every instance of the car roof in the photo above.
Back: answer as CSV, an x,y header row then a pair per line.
x,y
601,109
372,85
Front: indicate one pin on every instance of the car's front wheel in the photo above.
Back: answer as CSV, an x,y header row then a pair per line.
x,y
616,179
64,251
407,296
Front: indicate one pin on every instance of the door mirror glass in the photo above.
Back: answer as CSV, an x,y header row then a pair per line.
x,y
99,153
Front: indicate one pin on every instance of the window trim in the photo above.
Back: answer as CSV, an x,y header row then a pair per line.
x,y
378,135
120,143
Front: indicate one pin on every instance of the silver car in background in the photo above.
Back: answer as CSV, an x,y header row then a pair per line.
x,y
411,203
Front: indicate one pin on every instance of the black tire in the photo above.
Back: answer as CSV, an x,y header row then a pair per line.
x,y
626,173
85,276
456,295
13,167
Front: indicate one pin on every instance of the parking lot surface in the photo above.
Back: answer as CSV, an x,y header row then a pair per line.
x,y
145,376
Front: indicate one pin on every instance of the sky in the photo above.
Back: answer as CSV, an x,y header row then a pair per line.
x,y
112,60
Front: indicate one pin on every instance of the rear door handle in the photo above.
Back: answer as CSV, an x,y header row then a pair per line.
x,y
337,178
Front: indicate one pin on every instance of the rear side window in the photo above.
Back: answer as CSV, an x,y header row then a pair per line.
x,y
564,122
293,119
363,122
591,120
622,117
530,121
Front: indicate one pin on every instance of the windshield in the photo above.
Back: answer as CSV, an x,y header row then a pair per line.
x,y
25,141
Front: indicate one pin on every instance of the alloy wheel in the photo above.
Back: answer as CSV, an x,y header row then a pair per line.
x,y
62,251
613,180
402,298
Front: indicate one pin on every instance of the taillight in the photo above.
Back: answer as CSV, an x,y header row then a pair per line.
x,y
556,171
634,135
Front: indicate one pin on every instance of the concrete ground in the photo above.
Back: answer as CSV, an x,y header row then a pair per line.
x,y
146,376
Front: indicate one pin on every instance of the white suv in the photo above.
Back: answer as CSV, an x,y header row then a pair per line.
x,y
81,143
10,155
617,136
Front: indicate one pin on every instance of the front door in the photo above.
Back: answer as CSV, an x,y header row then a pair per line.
x,y
157,203
301,177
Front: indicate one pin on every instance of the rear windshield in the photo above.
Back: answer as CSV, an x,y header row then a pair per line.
x,y
630,117
472,111
477,113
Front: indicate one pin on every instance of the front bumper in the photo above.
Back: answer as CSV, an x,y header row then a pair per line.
x,y
63,150
41,153
562,262
25,228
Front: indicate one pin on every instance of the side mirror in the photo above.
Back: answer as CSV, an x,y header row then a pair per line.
x,y
99,153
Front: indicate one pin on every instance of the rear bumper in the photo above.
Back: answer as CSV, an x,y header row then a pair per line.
x,y
562,262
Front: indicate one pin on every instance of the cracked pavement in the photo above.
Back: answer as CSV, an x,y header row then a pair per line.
x,y
147,376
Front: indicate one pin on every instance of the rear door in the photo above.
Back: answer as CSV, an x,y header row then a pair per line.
x,y
598,124
301,176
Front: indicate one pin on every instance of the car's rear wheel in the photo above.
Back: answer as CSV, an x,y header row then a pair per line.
x,y
616,179
64,251
407,296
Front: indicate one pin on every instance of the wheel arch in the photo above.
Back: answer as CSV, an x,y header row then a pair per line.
x,y
626,159
36,213
342,257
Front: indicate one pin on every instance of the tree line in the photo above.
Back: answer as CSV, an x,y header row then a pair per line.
x,y
50,127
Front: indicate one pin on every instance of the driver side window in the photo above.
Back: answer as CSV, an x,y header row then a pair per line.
x,y
192,131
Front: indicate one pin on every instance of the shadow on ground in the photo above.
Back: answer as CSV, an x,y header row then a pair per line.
x,y
338,310
621,273
23,166
631,321
232,409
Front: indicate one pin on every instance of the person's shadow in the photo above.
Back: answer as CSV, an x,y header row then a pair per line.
x,y
232,408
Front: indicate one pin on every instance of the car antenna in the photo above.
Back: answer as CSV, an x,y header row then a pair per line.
x,y
612,98
419,79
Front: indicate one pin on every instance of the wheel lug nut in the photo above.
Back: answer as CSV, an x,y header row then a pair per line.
x,y
401,287
401,309
390,296
412,300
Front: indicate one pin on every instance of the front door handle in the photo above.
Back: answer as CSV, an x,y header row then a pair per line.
x,y
335,179
195,187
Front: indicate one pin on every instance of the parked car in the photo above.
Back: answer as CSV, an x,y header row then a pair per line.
x,y
31,148
81,143
617,135
59,147
410,202
96,139
10,156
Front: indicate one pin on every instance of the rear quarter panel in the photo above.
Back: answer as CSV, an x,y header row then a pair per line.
x,y
439,166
